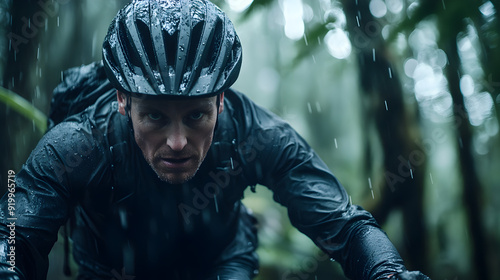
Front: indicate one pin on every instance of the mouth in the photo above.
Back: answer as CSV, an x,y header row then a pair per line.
x,y
175,162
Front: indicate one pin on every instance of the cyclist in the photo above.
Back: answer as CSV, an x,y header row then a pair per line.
x,y
151,175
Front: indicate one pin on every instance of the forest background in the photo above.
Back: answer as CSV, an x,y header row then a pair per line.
x,y
399,97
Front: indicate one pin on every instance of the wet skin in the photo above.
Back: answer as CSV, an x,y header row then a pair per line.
x,y
173,134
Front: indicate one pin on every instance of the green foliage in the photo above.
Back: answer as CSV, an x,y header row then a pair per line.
x,y
255,6
23,107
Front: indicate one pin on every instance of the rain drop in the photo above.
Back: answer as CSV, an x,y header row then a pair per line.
x,y
371,187
318,107
386,108
411,170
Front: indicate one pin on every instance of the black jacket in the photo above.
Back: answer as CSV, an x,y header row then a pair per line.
x,y
88,170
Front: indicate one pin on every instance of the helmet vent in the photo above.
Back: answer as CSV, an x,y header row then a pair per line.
x,y
143,30
128,49
214,47
170,44
194,47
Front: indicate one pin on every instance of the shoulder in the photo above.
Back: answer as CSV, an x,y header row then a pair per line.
x,y
249,115
70,152
73,133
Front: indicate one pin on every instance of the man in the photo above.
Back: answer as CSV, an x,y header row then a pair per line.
x,y
151,182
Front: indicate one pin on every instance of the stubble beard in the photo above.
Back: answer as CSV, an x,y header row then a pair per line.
x,y
173,178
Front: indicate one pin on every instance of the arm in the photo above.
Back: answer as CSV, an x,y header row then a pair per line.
x,y
46,189
318,206
277,157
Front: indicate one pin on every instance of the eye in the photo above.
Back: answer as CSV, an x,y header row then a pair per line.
x,y
154,116
196,116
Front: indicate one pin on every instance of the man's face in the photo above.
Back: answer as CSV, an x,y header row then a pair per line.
x,y
174,135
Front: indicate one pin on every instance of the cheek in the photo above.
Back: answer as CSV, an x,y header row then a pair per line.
x,y
203,137
147,141
209,139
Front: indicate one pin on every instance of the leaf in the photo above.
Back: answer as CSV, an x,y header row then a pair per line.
x,y
256,4
23,107
306,49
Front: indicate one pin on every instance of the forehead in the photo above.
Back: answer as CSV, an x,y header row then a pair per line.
x,y
158,102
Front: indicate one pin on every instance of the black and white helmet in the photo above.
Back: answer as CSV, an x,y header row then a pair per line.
x,y
172,47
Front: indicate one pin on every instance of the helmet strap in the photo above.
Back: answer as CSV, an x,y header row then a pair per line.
x,y
128,109
217,103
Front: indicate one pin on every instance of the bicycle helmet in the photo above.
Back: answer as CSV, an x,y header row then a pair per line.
x,y
172,47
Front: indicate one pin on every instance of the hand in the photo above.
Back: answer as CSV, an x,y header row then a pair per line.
x,y
410,275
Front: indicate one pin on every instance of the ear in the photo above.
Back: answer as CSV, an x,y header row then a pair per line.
x,y
122,102
221,104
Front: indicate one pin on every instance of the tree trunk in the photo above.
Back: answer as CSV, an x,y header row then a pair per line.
x,y
404,162
20,76
472,187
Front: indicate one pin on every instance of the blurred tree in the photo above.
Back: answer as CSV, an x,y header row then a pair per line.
x,y
452,19
20,76
451,22
403,184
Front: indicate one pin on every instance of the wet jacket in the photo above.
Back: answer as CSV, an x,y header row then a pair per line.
x,y
89,171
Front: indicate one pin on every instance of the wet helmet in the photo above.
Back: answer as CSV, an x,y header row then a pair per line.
x,y
172,47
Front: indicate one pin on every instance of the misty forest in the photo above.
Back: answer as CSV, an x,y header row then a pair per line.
x,y
400,98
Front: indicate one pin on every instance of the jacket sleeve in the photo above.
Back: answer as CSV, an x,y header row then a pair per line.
x,y
46,189
317,203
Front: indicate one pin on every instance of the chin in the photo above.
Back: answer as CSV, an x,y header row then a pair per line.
x,y
175,179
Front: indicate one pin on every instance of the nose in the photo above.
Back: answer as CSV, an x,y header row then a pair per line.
x,y
176,138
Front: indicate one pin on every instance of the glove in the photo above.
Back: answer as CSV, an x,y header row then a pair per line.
x,y
410,275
